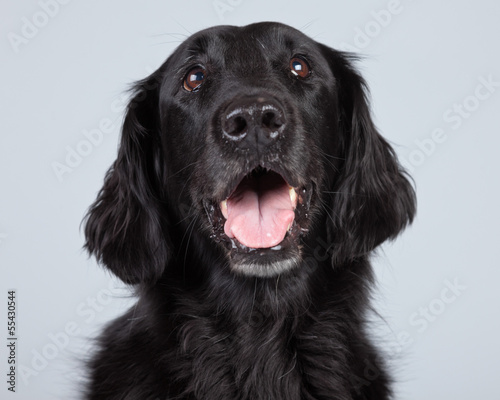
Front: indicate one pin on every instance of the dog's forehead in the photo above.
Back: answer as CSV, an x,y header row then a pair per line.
x,y
233,42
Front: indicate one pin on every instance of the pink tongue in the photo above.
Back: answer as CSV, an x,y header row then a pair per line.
x,y
260,211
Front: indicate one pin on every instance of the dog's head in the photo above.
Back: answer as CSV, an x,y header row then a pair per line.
x,y
251,143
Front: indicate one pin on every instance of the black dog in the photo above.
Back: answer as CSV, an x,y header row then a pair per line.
x,y
249,190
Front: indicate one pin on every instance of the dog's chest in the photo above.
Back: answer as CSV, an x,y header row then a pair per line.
x,y
264,360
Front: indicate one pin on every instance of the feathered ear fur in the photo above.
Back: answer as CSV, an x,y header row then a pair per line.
x,y
372,198
124,227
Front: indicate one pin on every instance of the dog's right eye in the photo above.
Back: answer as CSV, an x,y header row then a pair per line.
x,y
194,78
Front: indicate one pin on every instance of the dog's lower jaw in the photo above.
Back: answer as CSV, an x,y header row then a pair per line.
x,y
265,270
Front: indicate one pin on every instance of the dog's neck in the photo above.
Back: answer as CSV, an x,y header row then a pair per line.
x,y
263,327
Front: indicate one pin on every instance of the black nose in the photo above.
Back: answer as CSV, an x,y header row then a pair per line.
x,y
255,121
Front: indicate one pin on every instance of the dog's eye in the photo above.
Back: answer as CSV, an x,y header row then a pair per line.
x,y
300,67
194,79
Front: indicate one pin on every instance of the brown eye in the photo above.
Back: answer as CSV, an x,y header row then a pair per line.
x,y
300,67
194,79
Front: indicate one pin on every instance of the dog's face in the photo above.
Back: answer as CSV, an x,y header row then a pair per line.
x,y
260,140
253,114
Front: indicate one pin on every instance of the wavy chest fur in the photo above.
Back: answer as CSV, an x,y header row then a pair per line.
x,y
255,341
283,358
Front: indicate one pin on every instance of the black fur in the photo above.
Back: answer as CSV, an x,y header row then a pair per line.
x,y
203,329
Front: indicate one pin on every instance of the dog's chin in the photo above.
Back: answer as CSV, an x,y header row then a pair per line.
x,y
260,269
261,201
265,263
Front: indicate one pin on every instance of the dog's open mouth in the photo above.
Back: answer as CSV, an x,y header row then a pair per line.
x,y
260,211
262,214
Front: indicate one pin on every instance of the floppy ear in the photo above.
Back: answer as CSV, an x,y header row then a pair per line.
x,y
372,198
123,228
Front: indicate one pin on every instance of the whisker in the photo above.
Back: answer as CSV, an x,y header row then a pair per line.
x,y
330,156
190,229
183,27
186,167
308,25
169,34
349,193
327,157
161,43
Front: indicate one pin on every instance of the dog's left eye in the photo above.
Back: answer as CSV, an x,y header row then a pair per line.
x,y
300,67
194,79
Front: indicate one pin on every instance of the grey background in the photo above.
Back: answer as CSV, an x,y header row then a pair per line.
x,y
68,76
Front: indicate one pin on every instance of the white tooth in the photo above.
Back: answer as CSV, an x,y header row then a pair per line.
x,y
223,208
293,195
